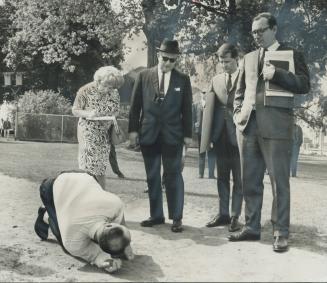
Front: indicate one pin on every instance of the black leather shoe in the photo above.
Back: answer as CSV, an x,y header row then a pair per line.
x,y
177,226
244,235
281,244
219,220
151,222
234,225
121,175
40,227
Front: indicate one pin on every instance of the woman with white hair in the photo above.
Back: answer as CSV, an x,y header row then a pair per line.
x,y
94,100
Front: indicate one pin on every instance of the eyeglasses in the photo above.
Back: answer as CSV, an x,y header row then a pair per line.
x,y
260,31
171,60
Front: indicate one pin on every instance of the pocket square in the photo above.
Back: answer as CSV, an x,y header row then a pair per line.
x,y
177,89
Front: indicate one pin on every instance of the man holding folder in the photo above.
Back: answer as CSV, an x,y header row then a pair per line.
x,y
264,130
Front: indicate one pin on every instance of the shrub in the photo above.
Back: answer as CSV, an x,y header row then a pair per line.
x,y
44,101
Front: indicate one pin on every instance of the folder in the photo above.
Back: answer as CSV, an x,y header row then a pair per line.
x,y
280,59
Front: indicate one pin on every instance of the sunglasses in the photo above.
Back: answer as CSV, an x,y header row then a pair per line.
x,y
171,60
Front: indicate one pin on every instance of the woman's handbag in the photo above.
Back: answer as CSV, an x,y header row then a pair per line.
x,y
116,134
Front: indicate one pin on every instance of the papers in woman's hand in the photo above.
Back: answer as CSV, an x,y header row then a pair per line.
x,y
103,118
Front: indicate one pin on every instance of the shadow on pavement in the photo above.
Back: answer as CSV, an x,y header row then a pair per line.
x,y
202,236
142,268
301,237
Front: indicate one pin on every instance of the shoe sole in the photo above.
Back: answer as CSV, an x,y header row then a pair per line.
x,y
220,225
245,240
149,226
280,250
234,230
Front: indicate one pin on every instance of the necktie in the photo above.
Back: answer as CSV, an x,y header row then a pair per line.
x,y
262,60
229,83
162,87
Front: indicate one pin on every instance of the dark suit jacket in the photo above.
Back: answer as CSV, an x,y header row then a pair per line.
x,y
274,115
217,113
172,119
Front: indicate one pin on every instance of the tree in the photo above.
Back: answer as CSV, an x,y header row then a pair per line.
x,y
61,43
301,23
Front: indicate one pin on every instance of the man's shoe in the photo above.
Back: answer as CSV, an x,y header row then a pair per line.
x,y
234,225
151,222
244,235
40,227
200,176
177,226
121,175
212,177
219,220
281,244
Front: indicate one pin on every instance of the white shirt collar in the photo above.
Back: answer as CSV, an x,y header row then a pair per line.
x,y
274,46
160,73
234,75
167,79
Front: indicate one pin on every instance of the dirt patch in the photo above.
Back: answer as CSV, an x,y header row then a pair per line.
x,y
197,254
10,260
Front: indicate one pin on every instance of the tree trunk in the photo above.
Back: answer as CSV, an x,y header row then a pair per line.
x,y
152,58
159,23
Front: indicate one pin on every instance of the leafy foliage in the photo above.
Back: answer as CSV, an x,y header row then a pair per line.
x,y
203,25
44,101
62,43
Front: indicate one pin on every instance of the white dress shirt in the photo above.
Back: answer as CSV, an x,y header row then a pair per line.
x,y
82,206
234,76
272,47
167,79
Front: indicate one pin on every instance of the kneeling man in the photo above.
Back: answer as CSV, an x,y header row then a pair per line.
x,y
86,220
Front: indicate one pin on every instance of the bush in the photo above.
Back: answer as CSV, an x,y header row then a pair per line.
x,y
44,101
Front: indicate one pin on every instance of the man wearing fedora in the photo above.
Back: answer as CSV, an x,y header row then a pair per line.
x,y
161,120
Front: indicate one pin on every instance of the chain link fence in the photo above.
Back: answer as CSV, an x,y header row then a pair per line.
x,y
46,127
51,127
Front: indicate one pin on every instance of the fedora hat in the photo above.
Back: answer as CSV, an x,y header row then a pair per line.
x,y
169,46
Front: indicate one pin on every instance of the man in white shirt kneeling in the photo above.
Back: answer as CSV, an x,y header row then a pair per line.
x,y
87,221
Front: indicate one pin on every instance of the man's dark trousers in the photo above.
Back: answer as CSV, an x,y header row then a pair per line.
x,y
256,153
228,160
171,156
46,194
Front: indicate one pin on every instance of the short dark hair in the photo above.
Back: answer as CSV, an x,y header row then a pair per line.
x,y
228,48
108,235
270,18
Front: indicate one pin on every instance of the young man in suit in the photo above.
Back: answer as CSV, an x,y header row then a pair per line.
x,y
265,131
161,119
219,130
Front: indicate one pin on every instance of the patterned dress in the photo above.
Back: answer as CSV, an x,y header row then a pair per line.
x,y
93,135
